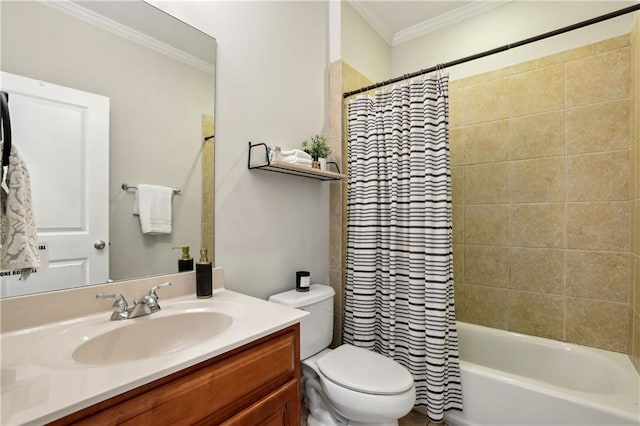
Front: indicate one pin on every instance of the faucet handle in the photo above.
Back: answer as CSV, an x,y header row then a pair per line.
x,y
120,306
154,290
120,301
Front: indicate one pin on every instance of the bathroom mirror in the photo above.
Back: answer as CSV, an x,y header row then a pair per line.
x,y
156,76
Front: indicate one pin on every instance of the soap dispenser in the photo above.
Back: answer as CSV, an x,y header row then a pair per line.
x,y
204,276
185,263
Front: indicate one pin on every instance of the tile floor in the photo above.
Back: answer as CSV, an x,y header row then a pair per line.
x,y
415,418
412,419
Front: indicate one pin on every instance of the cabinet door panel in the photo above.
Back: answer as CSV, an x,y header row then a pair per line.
x,y
281,408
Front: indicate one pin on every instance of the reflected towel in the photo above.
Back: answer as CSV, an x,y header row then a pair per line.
x,y
153,205
18,239
296,153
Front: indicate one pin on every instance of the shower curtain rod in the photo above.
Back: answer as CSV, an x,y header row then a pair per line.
x,y
504,48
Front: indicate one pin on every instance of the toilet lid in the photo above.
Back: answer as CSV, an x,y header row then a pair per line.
x,y
364,371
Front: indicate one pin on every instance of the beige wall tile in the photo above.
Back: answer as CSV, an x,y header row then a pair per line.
x,y
636,107
598,275
456,108
458,263
566,56
635,283
613,43
535,181
335,281
487,143
537,314
537,225
335,204
458,294
635,351
352,79
536,91
535,269
335,103
486,184
598,177
457,140
486,102
637,163
633,165
634,226
486,265
457,213
335,248
598,127
598,226
486,306
598,324
598,78
486,225
633,117
630,336
495,74
537,135
457,185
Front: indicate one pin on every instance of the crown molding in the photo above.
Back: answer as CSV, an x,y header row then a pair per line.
x,y
441,21
370,17
128,33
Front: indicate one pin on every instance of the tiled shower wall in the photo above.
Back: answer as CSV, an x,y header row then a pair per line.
x,y
541,177
634,317
342,78
545,160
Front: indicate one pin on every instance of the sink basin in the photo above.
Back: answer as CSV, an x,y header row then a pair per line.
x,y
151,336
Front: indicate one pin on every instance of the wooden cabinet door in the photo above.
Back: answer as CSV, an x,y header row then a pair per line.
x,y
281,408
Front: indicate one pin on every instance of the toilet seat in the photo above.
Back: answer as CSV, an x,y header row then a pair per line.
x,y
360,370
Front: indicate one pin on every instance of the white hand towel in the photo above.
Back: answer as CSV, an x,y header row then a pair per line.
x,y
295,160
153,205
296,153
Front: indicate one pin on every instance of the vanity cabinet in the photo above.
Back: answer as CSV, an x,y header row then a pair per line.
x,y
256,384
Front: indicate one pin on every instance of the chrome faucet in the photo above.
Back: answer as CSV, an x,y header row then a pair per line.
x,y
120,306
141,307
149,303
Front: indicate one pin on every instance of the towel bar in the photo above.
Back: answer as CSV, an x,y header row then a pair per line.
x,y
126,187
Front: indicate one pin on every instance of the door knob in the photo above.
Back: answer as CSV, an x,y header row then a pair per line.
x,y
100,244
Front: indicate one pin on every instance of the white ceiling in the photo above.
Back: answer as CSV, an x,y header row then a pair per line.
x,y
398,21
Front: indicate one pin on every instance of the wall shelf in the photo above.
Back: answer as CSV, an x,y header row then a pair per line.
x,y
287,168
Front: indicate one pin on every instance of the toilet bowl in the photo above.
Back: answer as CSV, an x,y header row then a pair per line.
x,y
347,385
361,386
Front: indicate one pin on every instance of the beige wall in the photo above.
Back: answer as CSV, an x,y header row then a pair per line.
x,y
541,189
634,294
271,87
515,20
154,138
362,47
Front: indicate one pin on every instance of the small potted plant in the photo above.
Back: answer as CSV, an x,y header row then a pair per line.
x,y
317,147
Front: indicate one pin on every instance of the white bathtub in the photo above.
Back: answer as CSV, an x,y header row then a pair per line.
x,y
512,379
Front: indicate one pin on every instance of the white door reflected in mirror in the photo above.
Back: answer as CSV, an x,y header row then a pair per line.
x,y
70,195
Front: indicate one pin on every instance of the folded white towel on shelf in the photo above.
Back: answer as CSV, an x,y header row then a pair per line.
x,y
296,153
296,160
153,205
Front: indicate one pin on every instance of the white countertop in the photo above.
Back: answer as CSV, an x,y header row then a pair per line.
x,y
41,383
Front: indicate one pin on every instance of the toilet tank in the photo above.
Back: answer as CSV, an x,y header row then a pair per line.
x,y
316,329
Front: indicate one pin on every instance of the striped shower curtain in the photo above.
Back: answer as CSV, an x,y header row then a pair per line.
x,y
399,290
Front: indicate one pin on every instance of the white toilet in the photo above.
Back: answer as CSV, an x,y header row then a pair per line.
x,y
347,385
